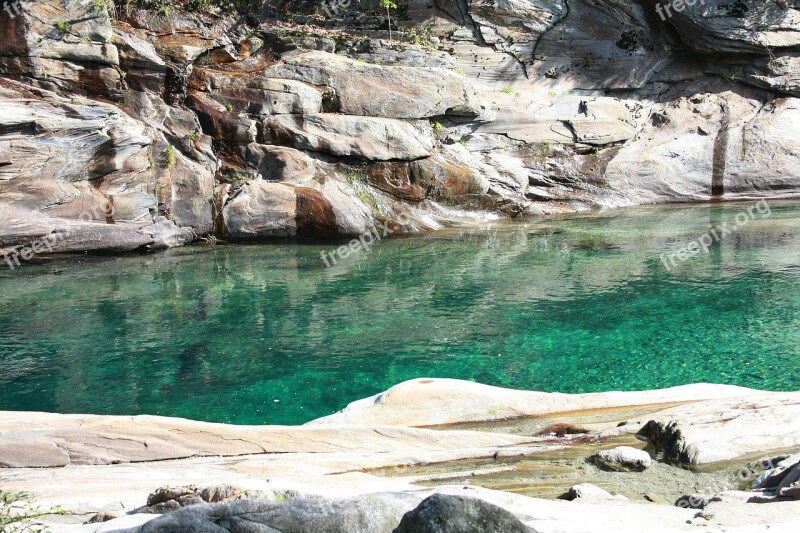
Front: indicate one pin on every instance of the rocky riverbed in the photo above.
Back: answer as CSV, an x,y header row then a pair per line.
x,y
715,456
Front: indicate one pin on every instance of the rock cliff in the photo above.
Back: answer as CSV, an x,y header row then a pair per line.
x,y
150,123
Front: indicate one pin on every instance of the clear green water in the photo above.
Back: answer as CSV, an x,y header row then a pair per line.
x,y
572,304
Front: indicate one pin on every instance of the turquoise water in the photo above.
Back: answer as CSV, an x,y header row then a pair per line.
x,y
266,334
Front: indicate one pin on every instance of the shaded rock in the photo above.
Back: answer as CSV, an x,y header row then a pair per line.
x,y
373,513
145,69
777,72
728,28
700,434
693,501
279,163
221,122
444,513
376,139
623,458
783,480
103,516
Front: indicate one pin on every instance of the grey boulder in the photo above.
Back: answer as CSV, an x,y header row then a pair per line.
x,y
443,513
372,513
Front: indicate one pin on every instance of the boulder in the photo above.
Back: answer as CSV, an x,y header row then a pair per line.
x,y
587,491
445,513
372,513
169,498
693,501
623,458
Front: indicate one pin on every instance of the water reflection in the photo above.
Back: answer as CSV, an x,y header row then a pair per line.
x,y
254,334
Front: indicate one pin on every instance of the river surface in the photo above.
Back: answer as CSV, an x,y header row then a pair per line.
x,y
254,334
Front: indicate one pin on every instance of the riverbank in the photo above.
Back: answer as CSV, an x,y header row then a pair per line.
x,y
92,464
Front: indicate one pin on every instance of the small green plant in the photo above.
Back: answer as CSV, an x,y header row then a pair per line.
x,y
99,6
19,514
192,136
596,150
552,93
389,5
76,102
229,106
463,142
507,90
354,177
170,156
437,126
64,26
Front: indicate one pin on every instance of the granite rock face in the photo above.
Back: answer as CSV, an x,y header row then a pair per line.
x,y
126,128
